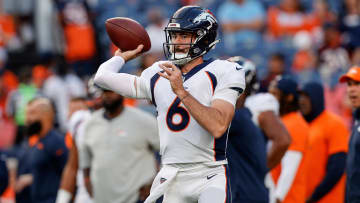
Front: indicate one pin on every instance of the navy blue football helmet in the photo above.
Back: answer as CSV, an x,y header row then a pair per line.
x,y
198,21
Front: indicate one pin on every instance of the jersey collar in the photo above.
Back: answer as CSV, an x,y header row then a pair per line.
x,y
197,69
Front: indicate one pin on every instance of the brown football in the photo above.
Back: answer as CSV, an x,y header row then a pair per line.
x,y
127,34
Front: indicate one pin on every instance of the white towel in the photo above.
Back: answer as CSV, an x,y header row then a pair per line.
x,y
269,183
161,183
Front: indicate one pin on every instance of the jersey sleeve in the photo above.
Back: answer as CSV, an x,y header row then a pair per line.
x,y
108,77
231,84
261,102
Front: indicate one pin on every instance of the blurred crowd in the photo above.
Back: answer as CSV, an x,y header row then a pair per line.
x,y
51,48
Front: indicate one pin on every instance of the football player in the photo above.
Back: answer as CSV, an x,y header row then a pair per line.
x,y
254,125
195,100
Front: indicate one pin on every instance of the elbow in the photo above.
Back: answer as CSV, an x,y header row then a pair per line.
x,y
98,77
219,131
284,141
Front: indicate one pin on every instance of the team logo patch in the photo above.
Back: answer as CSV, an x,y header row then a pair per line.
x,y
205,16
162,180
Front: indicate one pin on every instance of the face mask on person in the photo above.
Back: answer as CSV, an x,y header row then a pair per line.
x,y
33,128
113,105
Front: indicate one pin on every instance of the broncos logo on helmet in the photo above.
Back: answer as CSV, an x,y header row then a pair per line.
x,y
206,16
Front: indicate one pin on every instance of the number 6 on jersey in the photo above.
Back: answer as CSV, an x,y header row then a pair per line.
x,y
176,109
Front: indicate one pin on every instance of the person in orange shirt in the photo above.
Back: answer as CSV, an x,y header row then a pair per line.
x,y
328,146
286,19
79,34
290,175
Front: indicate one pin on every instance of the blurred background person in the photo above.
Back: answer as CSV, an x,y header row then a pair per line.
x,y
19,166
18,99
155,29
286,19
276,66
59,84
118,153
320,15
333,57
79,35
48,153
290,175
305,58
352,78
328,147
72,181
249,160
241,22
350,23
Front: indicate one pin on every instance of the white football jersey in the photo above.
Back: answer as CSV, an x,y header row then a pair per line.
x,y
182,138
261,102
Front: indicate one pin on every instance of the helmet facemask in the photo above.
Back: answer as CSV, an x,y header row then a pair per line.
x,y
172,52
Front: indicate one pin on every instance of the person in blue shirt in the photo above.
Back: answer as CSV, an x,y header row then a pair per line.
x,y
352,78
241,21
247,153
19,154
48,153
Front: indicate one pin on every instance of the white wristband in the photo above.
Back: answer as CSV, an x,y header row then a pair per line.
x,y
63,196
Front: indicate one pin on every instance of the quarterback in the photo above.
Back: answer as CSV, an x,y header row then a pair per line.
x,y
195,101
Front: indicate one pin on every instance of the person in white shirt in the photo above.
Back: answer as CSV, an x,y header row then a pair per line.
x,y
117,155
72,177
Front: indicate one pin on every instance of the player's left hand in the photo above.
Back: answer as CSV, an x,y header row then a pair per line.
x,y
174,75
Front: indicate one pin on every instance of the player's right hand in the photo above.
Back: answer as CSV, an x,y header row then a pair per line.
x,y
131,54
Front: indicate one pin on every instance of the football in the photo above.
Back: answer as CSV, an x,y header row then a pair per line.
x,y
127,34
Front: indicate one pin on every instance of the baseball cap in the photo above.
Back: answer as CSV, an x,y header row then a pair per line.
x,y
287,85
353,74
